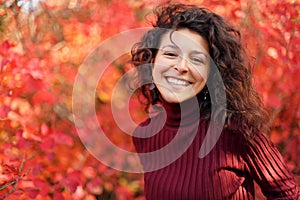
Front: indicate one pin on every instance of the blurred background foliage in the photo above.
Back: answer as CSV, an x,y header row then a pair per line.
x,y
43,43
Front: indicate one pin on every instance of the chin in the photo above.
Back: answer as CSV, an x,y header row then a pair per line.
x,y
175,100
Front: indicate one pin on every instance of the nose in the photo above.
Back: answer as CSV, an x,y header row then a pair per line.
x,y
182,66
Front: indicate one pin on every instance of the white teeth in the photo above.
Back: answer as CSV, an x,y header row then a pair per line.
x,y
177,81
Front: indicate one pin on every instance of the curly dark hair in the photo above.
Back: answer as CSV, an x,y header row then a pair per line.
x,y
244,108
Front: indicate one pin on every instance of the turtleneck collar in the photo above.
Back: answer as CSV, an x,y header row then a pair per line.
x,y
182,114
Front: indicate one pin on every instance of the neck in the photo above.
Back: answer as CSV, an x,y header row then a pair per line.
x,y
182,114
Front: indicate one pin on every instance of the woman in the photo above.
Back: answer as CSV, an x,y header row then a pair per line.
x,y
191,157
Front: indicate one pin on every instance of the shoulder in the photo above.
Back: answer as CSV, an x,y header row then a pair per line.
x,y
147,128
137,131
267,167
259,140
149,123
261,152
247,135
246,143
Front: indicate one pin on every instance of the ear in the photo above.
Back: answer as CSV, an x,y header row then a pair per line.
x,y
152,60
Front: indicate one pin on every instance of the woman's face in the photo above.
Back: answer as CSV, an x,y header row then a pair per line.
x,y
181,65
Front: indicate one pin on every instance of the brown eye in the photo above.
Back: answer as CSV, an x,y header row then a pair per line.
x,y
170,54
197,60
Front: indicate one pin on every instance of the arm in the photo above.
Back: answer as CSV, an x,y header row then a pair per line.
x,y
266,166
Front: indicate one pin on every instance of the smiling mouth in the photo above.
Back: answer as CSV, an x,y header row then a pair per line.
x,y
178,82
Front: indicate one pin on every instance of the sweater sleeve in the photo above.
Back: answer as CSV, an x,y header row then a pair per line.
x,y
266,166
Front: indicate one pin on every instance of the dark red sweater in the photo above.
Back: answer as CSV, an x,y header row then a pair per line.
x,y
227,172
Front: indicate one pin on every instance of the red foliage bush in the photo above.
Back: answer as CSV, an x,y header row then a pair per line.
x,y
41,156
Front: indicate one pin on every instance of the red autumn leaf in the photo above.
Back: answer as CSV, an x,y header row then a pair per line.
x,y
4,110
47,144
123,193
95,186
58,188
7,146
62,138
37,169
274,101
58,196
32,192
31,85
43,96
71,184
44,129
3,177
72,181
42,186
89,172
4,47
24,143
275,137
50,156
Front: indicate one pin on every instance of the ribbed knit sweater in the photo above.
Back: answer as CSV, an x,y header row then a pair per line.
x,y
227,172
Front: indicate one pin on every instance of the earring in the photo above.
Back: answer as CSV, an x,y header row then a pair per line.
x,y
152,86
205,94
154,93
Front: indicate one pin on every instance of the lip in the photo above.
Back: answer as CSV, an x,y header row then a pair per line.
x,y
182,79
177,83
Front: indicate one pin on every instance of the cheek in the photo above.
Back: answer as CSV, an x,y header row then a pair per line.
x,y
156,74
201,74
159,68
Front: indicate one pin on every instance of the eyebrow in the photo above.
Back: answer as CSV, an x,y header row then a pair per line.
x,y
176,47
200,52
169,45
